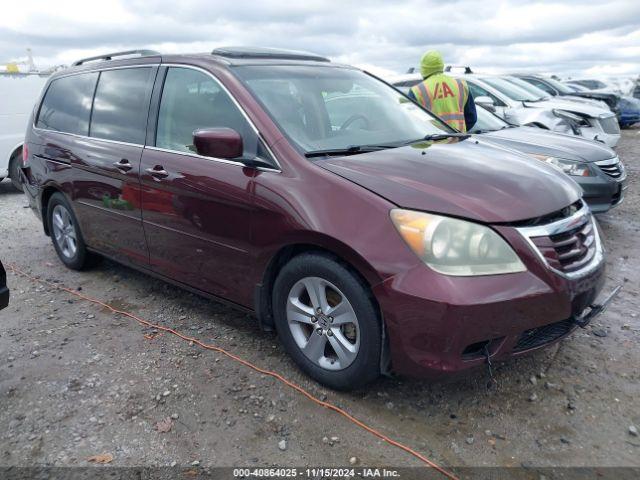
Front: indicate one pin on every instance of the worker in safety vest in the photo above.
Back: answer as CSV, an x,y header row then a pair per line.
x,y
449,98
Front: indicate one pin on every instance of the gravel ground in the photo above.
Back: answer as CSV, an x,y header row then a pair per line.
x,y
77,380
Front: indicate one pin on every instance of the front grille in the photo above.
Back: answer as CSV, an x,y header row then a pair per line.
x,y
609,124
539,336
571,249
611,167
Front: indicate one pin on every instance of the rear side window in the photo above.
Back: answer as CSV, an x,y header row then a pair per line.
x,y
67,104
120,106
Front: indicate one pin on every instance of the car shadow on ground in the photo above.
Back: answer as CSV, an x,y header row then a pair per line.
x,y
195,315
6,188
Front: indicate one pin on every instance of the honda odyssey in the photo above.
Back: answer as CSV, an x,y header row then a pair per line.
x,y
374,239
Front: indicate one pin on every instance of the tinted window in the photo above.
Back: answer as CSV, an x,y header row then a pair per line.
x,y
192,100
67,104
120,106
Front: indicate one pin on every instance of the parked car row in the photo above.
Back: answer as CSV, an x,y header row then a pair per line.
x,y
527,105
550,128
372,236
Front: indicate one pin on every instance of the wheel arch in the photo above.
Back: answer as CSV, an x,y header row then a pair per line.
x,y
45,196
331,248
15,152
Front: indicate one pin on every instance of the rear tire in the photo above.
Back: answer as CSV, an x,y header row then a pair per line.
x,y
66,236
346,354
14,172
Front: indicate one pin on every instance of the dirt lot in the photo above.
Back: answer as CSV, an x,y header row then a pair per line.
x,y
77,380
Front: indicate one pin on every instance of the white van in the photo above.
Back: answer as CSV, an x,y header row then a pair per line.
x,y
19,93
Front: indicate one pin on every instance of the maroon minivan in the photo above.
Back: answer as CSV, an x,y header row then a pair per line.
x,y
373,237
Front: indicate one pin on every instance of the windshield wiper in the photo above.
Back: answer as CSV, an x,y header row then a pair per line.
x,y
352,150
443,136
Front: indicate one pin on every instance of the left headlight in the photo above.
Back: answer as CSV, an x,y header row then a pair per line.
x,y
570,167
455,247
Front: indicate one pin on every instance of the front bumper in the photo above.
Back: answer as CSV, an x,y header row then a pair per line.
x,y
597,134
602,191
438,325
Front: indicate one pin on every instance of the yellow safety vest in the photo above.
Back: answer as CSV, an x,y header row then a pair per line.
x,y
444,96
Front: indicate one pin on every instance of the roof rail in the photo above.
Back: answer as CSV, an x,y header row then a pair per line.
x,y
467,69
111,56
267,53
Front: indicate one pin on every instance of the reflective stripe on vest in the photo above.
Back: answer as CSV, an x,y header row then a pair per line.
x,y
444,96
422,95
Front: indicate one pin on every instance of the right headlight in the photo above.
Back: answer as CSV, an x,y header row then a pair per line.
x,y
455,247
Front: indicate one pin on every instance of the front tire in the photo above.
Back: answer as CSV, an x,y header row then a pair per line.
x,y
65,234
327,321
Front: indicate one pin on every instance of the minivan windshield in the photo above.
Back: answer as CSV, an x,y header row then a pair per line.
x,y
322,108
510,90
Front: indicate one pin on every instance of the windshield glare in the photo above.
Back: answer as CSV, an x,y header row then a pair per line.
x,y
561,87
532,89
327,107
487,121
512,91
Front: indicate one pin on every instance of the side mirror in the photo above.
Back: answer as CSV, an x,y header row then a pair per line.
x,y
485,102
218,142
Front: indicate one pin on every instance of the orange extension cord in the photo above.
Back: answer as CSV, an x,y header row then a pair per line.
x,y
299,389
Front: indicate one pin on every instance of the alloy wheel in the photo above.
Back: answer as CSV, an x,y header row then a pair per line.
x,y
323,323
64,231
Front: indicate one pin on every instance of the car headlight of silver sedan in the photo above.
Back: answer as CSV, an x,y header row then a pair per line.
x,y
455,247
570,167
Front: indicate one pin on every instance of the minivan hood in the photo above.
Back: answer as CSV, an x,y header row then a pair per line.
x,y
470,179
543,142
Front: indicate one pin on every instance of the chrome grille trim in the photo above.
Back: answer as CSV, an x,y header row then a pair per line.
x,y
612,167
582,218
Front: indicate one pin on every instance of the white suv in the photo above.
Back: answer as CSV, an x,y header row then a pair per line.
x,y
19,94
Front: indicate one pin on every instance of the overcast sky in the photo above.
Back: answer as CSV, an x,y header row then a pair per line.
x,y
591,36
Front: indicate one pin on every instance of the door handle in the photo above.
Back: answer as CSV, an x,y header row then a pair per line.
x,y
123,165
157,172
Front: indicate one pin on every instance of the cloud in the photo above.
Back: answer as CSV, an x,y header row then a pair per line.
x,y
493,35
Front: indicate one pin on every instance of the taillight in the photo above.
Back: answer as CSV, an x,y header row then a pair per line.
x,y
25,155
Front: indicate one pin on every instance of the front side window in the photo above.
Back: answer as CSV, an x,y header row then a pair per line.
x,y
66,106
192,100
120,105
326,107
